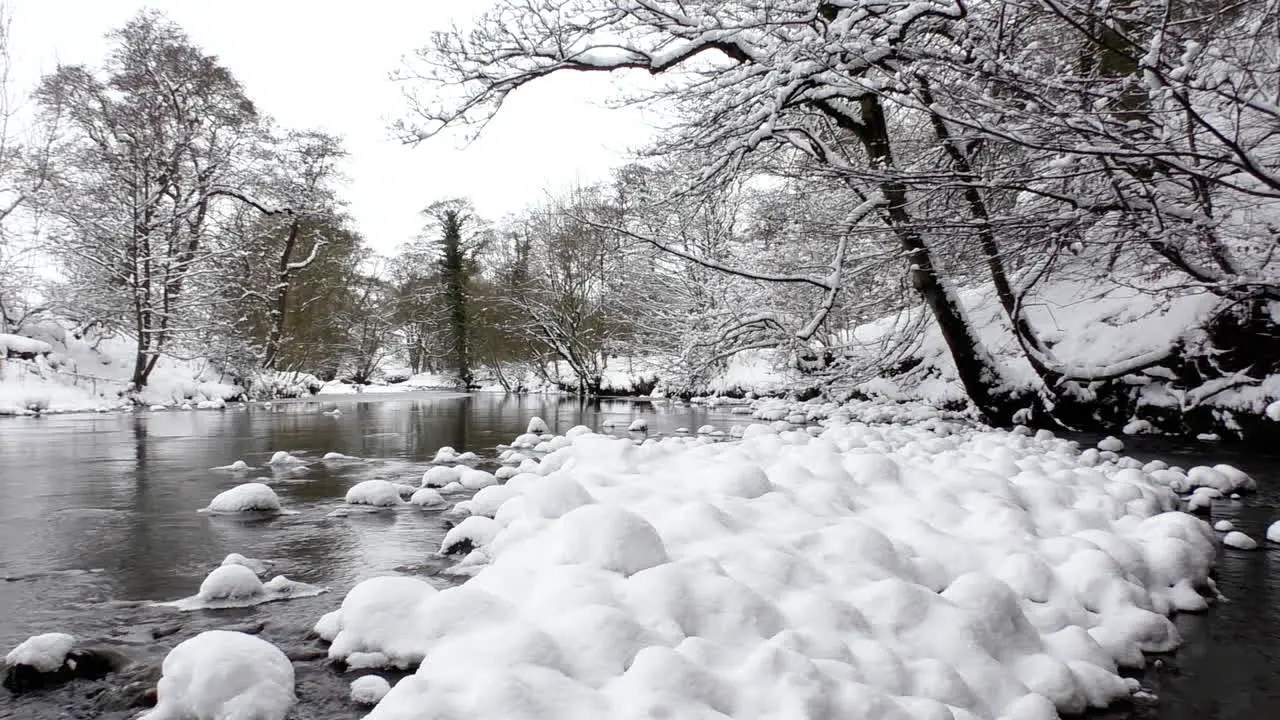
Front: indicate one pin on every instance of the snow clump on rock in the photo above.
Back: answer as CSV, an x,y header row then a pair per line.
x,y
219,675
246,497
378,493
369,689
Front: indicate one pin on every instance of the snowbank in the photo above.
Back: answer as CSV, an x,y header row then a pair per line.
x,y
224,675
90,373
889,572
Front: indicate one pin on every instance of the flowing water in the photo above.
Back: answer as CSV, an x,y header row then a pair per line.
x,y
98,521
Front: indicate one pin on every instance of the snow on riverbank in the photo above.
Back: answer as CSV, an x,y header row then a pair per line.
x,y
1090,325
930,570
93,374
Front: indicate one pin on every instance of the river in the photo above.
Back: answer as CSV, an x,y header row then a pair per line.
x,y
98,521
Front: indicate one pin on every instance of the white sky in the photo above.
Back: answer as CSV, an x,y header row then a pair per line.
x,y
326,65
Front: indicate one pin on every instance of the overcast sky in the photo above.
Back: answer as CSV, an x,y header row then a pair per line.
x,y
314,64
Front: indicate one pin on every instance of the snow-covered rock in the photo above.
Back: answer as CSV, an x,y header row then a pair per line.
x,y
473,532
1224,526
369,689
337,456
282,458
222,675
1111,443
246,497
237,466
428,498
1273,532
537,426
1138,427
439,476
638,425
43,653
230,582
1239,541
472,479
378,493
381,622
257,566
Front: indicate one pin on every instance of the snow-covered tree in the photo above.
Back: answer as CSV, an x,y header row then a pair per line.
x,y
148,147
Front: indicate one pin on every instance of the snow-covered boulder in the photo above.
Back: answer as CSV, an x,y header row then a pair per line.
x,y
475,479
52,658
638,425
537,426
44,653
237,466
369,689
439,476
223,675
1239,541
230,582
1111,443
378,493
473,532
246,497
282,458
377,623
1224,526
428,498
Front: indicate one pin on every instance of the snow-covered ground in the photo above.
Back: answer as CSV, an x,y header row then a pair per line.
x,y
85,375
933,569
1089,324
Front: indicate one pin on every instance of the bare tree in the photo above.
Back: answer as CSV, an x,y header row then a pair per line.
x,y
148,147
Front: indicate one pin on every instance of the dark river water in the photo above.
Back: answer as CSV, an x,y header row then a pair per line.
x,y
98,520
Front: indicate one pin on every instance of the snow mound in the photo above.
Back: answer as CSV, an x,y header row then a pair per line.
x,y
338,456
369,689
1273,532
902,571
236,585
1224,526
257,566
19,345
537,426
1111,444
237,466
447,454
378,493
230,582
427,497
1239,541
222,675
638,425
476,479
283,458
381,622
439,476
44,653
246,497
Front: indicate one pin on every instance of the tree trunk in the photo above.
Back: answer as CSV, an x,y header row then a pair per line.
x,y
975,368
276,333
